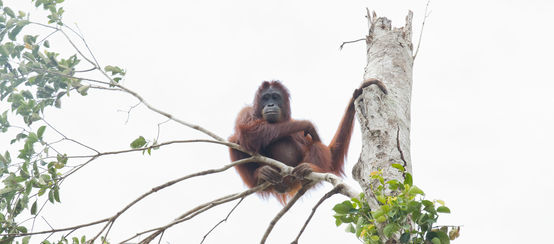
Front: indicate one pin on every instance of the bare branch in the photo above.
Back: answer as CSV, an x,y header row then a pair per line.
x,y
128,111
342,45
168,115
105,88
111,220
58,230
167,184
332,192
80,35
46,37
77,49
223,220
422,27
197,210
93,157
277,217
159,128
67,138
229,144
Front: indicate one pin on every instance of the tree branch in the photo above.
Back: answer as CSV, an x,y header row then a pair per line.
x,y
223,220
422,27
334,191
197,210
285,209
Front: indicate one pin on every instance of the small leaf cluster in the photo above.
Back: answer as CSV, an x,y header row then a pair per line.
x,y
141,142
33,177
403,214
55,13
116,72
32,77
63,240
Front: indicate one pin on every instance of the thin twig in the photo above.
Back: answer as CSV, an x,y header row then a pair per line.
x,y
105,88
223,220
140,98
80,35
332,192
128,111
67,138
159,129
77,49
342,45
274,221
369,22
86,70
43,25
46,37
422,26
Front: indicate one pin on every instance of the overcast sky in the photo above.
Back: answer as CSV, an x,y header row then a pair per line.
x,y
481,110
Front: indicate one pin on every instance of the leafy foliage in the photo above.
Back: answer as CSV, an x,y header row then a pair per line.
x,y
404,215
32,79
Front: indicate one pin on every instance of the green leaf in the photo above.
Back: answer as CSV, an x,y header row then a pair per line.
x,y
34,208
399,167
83,90
51,196
114,70
390,229
57,194
350,228
15,31
359,225
338,221
427,203
41,131
414,190
408,180
26,239
436,240
9,12
343,208
138,143
443,209
381,199
375,238
405,237
22,229
443,237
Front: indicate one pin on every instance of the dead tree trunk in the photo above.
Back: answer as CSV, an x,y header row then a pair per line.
x,y
385,119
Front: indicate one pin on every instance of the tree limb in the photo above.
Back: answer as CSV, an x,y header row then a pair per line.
x,y
334,191
277,217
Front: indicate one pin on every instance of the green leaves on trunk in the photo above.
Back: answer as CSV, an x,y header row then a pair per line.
x,y
403,214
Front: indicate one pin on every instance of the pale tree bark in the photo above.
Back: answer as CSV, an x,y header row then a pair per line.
x,y
385,118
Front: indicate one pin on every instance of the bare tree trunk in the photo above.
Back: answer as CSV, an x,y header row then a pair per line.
x,y
385,119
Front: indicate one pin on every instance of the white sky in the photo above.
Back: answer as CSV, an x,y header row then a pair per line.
x,y
481,110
